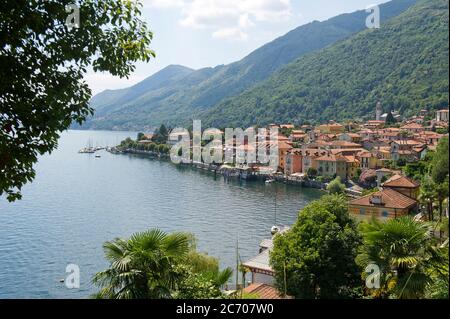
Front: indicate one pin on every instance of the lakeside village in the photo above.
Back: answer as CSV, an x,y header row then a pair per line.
x,y
379,164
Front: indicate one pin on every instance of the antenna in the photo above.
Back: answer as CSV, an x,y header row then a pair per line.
x,y
275,200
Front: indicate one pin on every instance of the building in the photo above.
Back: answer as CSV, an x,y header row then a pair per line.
x,y
293,161
387,203
298,136
309,158
353,166
374,124
283,148
413,128
367,160
350,137
378,111
332,165
261,271
343,144
442,115
264,291
404,149
404,185
334,128
428,137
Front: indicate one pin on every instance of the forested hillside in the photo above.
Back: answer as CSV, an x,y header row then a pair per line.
x,y
404,64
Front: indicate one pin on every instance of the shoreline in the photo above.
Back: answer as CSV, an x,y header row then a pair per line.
x,y
229,172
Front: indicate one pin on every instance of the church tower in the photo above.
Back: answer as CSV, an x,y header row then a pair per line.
x,y
379,111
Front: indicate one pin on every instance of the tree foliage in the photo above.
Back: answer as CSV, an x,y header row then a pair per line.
x,y
42,65
161,135
312,172
154,264
439,162
318,253
143,266
336,186
406,254
404,64
390,120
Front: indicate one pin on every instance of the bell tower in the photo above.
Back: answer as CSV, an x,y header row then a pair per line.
x,y
379,111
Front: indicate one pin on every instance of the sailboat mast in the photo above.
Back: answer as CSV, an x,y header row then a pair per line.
x,y
237,262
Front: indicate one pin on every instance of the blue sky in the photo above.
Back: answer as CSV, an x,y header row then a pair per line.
x,y
205,33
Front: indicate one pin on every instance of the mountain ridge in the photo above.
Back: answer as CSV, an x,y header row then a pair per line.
x,y
404,64
205,88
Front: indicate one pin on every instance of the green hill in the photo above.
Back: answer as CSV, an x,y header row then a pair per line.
x,y
194,92
404,64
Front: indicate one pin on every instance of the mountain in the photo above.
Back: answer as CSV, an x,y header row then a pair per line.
x,y
403,64
114,100
174,101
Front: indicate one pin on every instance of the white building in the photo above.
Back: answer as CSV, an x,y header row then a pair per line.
x,y
442,115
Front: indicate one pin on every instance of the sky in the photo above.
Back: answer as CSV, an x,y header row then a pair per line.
x,y
207,33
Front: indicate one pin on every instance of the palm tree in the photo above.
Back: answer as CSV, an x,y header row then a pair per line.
x,y
428,195
406,254
442,195
143,266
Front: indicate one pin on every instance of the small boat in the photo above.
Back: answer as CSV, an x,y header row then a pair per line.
x,y
274,230
97,156
86,151
268,181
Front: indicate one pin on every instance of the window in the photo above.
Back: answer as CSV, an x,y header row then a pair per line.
x,y
385,214
362,211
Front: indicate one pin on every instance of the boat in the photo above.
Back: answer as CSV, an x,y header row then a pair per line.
x,y
97,156
89,149
274,230
268,181
86,150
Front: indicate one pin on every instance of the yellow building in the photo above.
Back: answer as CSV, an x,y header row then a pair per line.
x,y
404,185
332,165
331,128
387,203
283,148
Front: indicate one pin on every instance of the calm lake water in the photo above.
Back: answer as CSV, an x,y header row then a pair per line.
x,y
77,202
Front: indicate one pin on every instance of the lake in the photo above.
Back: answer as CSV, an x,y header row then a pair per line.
x,y
77,202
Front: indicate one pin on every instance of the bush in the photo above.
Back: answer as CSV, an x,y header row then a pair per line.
x,y
336,186
312,172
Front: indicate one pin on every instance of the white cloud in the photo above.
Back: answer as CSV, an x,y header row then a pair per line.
x,y
230,34
227,18
164,4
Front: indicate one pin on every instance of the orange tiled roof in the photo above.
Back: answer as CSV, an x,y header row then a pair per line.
x,y
351,159
353,134
364,154
400,181
411,126
332,158
337,151
264,291
345,144
389,198
375,122
407,142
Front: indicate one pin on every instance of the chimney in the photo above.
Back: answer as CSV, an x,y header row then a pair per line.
x,y
376,199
